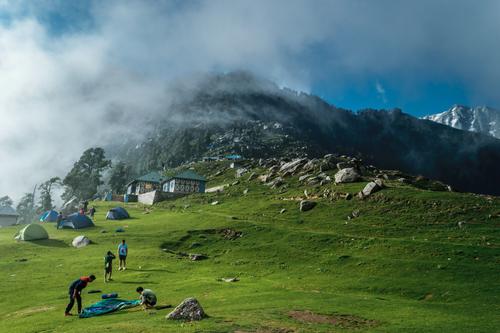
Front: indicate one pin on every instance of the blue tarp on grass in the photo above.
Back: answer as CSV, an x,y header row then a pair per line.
x,y
107,306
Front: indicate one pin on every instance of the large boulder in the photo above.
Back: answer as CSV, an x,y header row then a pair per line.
x,y
190,309
80,241
240,172
306,205
372,187
347,175
293,166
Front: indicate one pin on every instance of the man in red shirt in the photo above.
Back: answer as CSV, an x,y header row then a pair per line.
x,y
75,291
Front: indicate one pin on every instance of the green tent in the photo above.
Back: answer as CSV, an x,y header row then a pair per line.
x,y
32,232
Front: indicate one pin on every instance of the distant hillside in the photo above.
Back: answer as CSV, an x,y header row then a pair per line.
x,y
238,113
480,119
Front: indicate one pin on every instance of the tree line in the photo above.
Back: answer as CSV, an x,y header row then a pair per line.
x,y
81,183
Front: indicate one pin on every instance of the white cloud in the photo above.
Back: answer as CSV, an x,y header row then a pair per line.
x,y
60,94
381,92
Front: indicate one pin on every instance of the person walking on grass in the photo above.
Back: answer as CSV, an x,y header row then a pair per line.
x,y
92,212
147,297
122,255
75,293
108,266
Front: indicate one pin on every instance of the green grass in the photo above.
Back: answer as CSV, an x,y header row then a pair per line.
x,y
403,263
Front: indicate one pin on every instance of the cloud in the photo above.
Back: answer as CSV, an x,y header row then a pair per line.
x,y
73,76
381,92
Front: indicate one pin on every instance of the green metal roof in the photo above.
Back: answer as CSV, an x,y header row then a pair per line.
x,y
191,175
152,177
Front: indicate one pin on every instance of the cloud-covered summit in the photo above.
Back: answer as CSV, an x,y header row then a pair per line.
x,y
68,69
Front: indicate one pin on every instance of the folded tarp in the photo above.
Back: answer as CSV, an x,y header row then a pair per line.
x,y
107,306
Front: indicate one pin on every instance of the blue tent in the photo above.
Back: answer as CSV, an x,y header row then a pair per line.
x,y
49,216
117,213
76,221
108,197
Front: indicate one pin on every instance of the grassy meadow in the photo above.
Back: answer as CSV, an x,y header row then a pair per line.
x,y
402,265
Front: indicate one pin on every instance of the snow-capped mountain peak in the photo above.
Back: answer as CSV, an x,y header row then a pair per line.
x,y
481,119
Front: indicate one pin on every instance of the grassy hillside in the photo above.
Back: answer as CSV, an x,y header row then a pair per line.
x,y
402,265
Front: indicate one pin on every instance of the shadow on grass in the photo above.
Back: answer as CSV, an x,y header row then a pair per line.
x,y
50,243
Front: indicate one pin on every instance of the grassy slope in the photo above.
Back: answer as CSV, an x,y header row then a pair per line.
x,y
403,262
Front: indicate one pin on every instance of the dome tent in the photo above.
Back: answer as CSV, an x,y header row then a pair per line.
x,y
49,216
76,221
32,232
117,213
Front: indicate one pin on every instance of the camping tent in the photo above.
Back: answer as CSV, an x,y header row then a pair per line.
x,y
117,213
32,232
80,241
49,216
8,216
76,221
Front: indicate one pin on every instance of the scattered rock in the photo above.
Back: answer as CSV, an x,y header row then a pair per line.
x,y
240,172
276,182
372,187
190,309
230,234
252,176
235,183
80,241
461,224
215,203
233,279
197,257
282,211
348,196
245,191
347,175
103,231
306,205
264,178
304,177
293,166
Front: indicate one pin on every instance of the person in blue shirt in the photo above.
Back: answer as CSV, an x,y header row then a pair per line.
x,y
122,255
75,292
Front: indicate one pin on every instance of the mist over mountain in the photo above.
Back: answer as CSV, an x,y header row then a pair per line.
x,y
239,113
481,119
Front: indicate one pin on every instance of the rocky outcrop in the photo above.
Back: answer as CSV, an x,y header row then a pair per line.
x,y
190,309
347,175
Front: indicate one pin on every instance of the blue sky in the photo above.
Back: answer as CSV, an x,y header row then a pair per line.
x,y
74,65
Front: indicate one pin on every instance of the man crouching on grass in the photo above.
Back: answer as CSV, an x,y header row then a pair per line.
x,y
75,291
148,298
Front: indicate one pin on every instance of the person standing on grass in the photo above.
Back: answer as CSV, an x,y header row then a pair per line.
x,y
75,292
148,297
108,266
122,255
92,212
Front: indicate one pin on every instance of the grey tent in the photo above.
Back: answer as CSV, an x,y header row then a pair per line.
x,y
8,216
32,232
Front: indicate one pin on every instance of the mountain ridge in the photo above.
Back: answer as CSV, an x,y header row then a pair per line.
x,y
239,113
481,119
